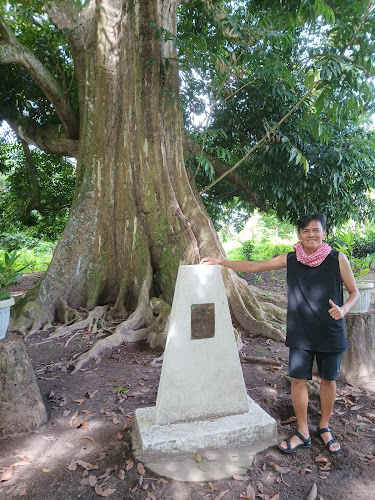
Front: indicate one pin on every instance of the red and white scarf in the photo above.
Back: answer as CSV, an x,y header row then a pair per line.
x,y
314,259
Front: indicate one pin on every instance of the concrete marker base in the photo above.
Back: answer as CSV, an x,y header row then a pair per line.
x,y
226,444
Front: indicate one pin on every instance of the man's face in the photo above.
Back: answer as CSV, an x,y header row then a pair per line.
x,y
312,236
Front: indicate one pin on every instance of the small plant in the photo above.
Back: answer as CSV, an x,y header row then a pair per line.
x,y
8,274
122,390
360,266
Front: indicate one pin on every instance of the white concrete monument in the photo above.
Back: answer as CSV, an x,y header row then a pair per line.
x,y
202,405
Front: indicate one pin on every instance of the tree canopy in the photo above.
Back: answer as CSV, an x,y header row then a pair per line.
x,y
243,65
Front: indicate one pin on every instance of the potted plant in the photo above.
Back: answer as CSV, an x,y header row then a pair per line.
x,y
8,277
360,267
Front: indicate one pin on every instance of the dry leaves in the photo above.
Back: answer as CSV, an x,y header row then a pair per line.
x,y
10,470
277,468
74,463
213,487
289,420
141,469
220,495
304,471
249,494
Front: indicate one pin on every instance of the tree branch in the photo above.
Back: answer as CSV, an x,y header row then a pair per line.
x,y
13,52
221,167
260,142
48,138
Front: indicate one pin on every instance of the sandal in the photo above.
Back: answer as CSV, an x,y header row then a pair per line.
x,y
306,443
330,442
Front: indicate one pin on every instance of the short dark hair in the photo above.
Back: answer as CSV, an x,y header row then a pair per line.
x,y
306,219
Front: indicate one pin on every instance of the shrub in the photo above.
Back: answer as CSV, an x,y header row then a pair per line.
x,y
17,240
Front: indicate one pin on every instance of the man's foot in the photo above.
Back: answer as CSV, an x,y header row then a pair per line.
x,y
329,440
293,444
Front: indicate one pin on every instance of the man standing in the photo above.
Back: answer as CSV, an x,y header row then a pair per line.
x,y
315,324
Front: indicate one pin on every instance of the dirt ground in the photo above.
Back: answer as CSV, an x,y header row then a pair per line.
x,y
84,451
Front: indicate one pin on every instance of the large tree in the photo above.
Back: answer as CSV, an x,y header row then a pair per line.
x,y
136,213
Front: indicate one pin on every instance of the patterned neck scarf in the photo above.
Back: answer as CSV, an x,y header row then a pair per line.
x,y
314,259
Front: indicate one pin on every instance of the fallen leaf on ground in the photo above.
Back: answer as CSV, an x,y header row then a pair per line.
x,y
121,474
241,478
303,471
22,492
87,465
277,468
66,413
141,469
288,420
198,458
323,460
73,417
87,437
46,470
49,438
72,465
250,492
104,493
7,474
119,436
275,497
129,464
101,457
202,468
220,495
213,487
115,420
24,459
92,480
91,394
162,480
260,487
88,412
79,401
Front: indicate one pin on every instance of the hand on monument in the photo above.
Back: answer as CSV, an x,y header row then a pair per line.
x,y
211,261
335,312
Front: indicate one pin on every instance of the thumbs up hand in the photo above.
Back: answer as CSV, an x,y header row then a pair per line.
x,y
335,311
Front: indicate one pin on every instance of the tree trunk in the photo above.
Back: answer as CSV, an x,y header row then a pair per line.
x,y
136,216
21,407
358,362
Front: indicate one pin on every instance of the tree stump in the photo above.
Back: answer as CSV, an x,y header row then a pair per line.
x,y
21,407
358,362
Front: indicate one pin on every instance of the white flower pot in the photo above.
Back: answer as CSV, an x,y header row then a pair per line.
x,y
4,315
363,304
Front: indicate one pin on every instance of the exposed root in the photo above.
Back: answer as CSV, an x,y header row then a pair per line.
x,y
88,323
259,319
127,331
255,359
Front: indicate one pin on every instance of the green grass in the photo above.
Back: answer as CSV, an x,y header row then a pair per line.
x,y
34,260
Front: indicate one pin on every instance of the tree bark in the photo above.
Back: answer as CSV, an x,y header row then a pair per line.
x,y
358,362
21,407
135,216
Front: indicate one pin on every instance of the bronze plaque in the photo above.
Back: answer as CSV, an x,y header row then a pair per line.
x,y
202,321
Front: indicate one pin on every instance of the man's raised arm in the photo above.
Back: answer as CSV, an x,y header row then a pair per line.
x,y
246,266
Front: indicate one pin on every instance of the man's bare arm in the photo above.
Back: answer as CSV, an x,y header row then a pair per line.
x,y
246,266
349,282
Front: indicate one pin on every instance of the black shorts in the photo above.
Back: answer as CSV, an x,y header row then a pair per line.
x,y
301,363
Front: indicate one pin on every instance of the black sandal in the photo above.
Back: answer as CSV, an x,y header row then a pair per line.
x,y
330,442
306,443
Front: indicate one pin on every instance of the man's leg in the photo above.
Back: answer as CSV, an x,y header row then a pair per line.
x,y
300,400
327,400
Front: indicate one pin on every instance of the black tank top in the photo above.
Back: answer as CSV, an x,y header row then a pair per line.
x,y
309,325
